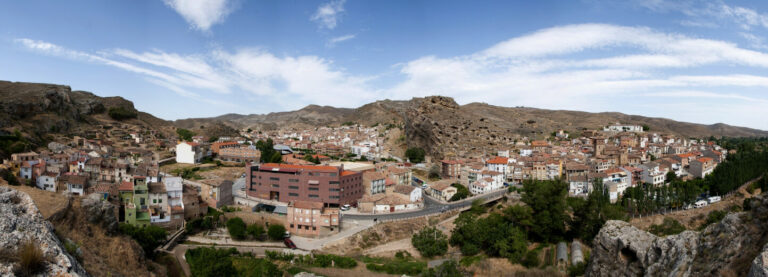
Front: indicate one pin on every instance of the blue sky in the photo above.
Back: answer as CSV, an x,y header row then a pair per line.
x,y
689,60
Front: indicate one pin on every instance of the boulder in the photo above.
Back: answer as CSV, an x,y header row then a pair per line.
x,y
723,248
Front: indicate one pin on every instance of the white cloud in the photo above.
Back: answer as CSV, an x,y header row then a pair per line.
x,y
703,12
592,67
202,14
333,41
327,15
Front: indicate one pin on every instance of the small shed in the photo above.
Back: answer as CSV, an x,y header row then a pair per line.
x,y
577,256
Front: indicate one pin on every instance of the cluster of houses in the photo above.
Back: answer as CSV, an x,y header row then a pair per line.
x,y
331,141
621,156
127,176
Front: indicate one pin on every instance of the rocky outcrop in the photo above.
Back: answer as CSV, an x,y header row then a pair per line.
x,y
100,212
760,264
20,222
725,248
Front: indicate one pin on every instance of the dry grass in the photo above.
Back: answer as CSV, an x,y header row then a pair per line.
x,y
31,259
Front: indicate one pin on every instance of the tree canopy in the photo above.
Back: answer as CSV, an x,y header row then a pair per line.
x,y
415,154
430,242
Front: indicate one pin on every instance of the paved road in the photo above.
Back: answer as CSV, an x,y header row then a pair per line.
x,y
431,207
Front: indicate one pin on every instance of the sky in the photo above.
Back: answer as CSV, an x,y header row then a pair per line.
x,y
688,60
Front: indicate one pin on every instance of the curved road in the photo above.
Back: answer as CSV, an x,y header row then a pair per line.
x,y
431,207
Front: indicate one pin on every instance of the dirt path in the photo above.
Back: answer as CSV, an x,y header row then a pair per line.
x,y
692,218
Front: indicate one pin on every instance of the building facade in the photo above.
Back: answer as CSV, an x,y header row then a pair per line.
x,y
330,185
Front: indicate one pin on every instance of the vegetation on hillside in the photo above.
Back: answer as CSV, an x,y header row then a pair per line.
x,y
149,237
121,113
669,226
184,134
415,154
205,262
430,242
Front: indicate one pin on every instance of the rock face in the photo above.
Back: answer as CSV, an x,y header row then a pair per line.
x,y
100,212
727,248
20,221
760,264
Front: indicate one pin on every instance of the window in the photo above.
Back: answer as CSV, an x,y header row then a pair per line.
x,y
275,185
293,194
293,180
314,228
333,182
291,225
333,174
274,179
154,200
334,197
313,196
314,188
333,189
293,187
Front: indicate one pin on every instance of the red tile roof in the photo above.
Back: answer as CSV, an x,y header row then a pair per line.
x,y
705,159
270,166
125,186
347,172
498,160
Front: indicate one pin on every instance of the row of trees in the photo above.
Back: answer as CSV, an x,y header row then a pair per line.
x,y
239,231
549,216
749,162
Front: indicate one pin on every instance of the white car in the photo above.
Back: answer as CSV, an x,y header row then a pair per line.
x,y
346,207
700,204
714,199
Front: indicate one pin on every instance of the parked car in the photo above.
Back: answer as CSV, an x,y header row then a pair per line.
x,y
346,207
287,235
289,243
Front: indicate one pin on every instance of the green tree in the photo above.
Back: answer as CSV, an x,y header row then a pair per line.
x,y
448,268
547,200
255,230
149,237
211,262
185,134
236,228
646,128
430,242
461,192
415,154
121,113
669,226
276,231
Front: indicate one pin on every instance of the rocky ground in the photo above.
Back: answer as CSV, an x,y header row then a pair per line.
x,y
732,247
20,223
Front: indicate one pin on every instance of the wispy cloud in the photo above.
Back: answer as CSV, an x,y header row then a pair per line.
x,y
202,14
327,15
333,41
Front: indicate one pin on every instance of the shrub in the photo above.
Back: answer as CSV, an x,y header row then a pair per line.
x,y
713,217
430,242
256,231
670,226
31,259
251,267
447,269
149,237
531,259
236,228
461,192
577,269
121,113
415,154
212,262
276,231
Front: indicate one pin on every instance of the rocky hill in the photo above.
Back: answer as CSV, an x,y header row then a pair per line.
x,y
736,246
40,111
441,126
22,223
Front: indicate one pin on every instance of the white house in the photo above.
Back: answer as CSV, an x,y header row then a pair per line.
x,y
188,153
76,185
47,181
413,193
652,174
174,189
619,177
158,203
623,128
498,164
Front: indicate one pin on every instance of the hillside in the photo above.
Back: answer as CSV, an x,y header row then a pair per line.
x,y
43,112
441,126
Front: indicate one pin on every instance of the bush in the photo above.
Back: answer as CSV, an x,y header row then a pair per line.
x,y
276,231
8,176
430,242
415,154
670,226
185,134
250,267
121,113
256,231
149,237
236,228
577,269
31,259
531,259
713,217
399,267
322,260
212,262
461,192
447,269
